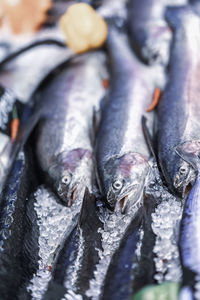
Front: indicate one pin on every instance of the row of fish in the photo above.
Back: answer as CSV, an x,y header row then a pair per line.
x,y
91,144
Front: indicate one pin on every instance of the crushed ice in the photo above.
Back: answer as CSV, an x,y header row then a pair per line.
x,y
115,225
54,220
165,225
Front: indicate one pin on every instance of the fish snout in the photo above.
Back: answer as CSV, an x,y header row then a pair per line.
x,y
67,193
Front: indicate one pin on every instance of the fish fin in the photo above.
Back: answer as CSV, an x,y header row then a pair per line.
x,y
88,216
97,118
190,152
95,125
178,16
104,102
148,136
96,180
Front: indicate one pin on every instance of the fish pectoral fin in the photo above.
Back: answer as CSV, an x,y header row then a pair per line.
x,y
148,136
95,125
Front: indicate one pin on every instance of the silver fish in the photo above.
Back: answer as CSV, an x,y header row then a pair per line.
x,y
179,106
121,150
64,144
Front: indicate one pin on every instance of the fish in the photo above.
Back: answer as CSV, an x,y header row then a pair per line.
x,y
189,241
178,133
64,143
121,150
20,182
118,280
79,254
149,33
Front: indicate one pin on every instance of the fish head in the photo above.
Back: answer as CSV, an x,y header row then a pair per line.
x,y
124,179
74,174
182,176
179,169
186,168
177,174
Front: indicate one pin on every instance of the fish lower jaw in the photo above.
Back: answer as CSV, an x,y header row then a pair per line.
x,y
121,205
184,187
124,203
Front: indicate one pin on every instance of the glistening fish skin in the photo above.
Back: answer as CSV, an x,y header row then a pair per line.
x,y
149,33
64,144
121,150
179,106
189,242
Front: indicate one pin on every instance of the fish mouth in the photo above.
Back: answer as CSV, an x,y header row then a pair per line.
x,y
183,186
68,198
72,196
121,204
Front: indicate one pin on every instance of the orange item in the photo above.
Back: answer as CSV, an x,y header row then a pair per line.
x,y
14,128
105,83
49,268
24,16
156,98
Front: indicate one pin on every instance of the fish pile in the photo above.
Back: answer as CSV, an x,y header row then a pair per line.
x,y
100,180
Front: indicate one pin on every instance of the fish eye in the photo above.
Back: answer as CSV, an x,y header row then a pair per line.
x,y
182,170
66,179
117,185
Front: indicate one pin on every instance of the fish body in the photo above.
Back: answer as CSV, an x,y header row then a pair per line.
x,y
189,242
121,150
20,182
64,136
117,283
150,34
179,106
79,255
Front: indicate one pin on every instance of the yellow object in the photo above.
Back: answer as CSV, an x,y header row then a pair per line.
x,y
84,29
